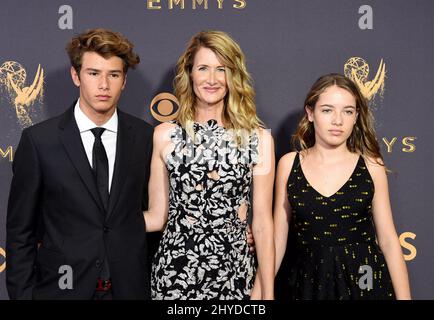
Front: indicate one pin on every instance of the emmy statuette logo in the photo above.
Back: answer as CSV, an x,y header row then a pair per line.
x,y
13,78
357,69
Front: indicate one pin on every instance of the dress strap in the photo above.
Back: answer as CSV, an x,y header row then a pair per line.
x,y
294,172
296,160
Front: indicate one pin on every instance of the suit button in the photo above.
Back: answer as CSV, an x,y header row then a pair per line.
x,y
98,264
106,229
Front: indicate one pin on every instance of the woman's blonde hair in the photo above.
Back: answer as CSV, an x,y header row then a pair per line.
x,y
239,111
362,139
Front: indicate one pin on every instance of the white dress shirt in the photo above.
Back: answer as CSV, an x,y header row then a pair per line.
x,y
108,137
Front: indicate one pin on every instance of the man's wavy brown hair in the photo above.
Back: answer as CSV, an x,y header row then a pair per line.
x,y
104,42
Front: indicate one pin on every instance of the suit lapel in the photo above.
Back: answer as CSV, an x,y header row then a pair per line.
x,y
124,147
71,139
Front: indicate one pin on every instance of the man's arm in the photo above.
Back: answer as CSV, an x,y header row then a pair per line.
x,y
22,220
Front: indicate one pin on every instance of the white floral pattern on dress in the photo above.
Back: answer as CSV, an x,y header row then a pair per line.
x,y
203,253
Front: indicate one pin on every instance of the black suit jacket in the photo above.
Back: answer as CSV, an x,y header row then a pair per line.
x,y
53,182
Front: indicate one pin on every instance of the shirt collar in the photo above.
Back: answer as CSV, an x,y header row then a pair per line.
x,y
85,124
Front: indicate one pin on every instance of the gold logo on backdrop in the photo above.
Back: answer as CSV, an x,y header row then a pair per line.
x,y
3,265
193,4
407,245
7,153
13,78
407,144
357,69
164,107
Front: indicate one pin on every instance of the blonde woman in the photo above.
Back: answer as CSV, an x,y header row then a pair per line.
x,y
204,166
335,189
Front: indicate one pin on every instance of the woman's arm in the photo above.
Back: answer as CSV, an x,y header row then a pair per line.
x,y
262,225
282,216
158,187
386,234
282,208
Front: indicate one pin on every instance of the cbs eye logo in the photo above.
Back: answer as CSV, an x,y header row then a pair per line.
x,y
164,107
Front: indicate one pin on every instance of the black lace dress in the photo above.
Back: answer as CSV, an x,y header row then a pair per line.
x,y
336,255
203,253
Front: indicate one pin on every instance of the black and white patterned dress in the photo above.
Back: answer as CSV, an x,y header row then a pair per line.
x,y
203,253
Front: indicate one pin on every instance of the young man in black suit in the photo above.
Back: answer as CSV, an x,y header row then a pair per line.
x,y
84,174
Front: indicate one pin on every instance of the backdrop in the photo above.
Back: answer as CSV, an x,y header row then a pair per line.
x,y
387,45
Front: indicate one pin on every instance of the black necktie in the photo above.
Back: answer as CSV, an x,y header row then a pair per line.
x,y
100,166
